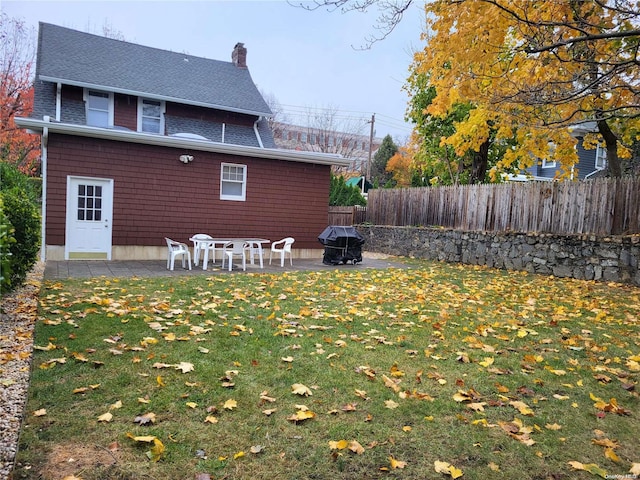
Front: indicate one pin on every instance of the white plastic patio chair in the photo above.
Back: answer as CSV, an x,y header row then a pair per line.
x,y
177,249
282,248
199,246
237,247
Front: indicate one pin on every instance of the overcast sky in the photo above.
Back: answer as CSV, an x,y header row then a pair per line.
x,y
303,59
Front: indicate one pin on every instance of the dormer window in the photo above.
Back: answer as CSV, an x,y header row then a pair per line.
x,y
151,116
99,107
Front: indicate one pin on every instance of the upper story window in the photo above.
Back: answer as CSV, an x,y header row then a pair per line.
x,y
233,182
99,108
303,137
548,163
151,116
601,157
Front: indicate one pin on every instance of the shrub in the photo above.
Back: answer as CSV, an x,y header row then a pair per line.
x,y
344,195
21,208
6,240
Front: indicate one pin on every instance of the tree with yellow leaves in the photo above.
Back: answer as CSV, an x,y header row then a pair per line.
x,y
531,70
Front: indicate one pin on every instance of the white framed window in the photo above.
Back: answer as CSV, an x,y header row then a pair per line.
x,y
151,115
233,182
99,108
601,157
548,163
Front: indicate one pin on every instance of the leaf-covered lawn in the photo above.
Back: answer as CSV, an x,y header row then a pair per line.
x,y
435,371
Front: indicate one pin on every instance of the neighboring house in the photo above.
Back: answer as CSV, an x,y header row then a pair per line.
x,y
139,144
328,140
591,162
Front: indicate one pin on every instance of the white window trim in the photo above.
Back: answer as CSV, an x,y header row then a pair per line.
x,y
547,164
599,149
86,103
162,112
238,198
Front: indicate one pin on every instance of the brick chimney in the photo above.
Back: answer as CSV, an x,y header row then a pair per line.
x,y
239,55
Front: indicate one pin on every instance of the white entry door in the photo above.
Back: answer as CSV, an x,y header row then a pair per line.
x,y
89,218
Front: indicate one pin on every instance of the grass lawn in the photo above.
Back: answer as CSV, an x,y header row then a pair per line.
x,y
435,371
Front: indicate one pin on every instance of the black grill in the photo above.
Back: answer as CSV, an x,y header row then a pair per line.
x,y
341,245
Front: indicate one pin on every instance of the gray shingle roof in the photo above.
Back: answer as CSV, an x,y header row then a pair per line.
x,y
79,58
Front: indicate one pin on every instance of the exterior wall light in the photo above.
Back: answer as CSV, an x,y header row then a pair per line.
x,y
186,158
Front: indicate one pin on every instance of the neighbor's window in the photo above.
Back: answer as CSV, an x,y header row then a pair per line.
x,y
233,182
548,163
601,157
150,116
99,108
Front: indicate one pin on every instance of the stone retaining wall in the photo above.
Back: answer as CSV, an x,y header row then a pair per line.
x,y
586,257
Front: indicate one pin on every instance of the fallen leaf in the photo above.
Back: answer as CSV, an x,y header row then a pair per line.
x,y
338,445
391,404
522,407
300,389
396,463
185,367
589,467
156,451
105,417
230,404
146,419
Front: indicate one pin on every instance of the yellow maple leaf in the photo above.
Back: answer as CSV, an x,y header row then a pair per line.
x,y
611,455
355,447
522,407
391,404
238,455
396,463
300,389
230,404
105,417
338,445
487,361
141,438
301,415
40,413
211,419
156,451
160,381
589,467
635,469
185,367
477,406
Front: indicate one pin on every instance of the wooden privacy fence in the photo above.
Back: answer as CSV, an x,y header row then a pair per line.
x,y
600,206
347,215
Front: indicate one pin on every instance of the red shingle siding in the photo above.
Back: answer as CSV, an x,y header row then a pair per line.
x,y
125,112
155,195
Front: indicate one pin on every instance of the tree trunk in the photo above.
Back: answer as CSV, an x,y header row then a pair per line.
x,y
611,141
480,163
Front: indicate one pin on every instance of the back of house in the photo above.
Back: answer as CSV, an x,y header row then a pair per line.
x,y
139,144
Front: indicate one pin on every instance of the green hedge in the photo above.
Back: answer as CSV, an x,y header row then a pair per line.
x,y
6,240
20,224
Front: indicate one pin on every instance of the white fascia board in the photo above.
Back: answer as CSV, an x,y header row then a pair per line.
x,y
181,142
150,96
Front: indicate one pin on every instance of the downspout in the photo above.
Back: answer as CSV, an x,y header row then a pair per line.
x,y
255,129
43,169
223,128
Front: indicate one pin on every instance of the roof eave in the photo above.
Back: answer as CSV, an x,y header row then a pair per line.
x,y
177,142
124,91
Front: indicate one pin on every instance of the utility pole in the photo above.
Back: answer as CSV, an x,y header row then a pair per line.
x,y
368,171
